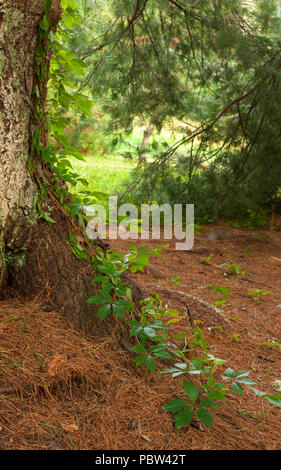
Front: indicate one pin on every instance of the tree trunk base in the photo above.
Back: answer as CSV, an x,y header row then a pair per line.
x,y
47,269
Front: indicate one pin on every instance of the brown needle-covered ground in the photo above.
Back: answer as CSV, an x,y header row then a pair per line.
x,y
62,390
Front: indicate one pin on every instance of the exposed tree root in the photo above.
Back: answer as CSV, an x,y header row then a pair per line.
x,y
175,293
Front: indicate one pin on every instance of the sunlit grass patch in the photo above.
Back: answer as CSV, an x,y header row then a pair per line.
x,y
103,173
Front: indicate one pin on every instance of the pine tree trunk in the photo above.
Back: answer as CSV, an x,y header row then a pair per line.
x,y
36,259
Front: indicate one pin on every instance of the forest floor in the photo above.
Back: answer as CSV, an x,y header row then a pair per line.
x,y
60,389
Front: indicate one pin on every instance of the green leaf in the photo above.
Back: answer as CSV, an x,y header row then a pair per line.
x,y
138,349
135,330
206,370
179,354
236,388
241,373
121,302
258,392
150,332
105,293
216,394
205,417
95,299
222,290
208,404
276,397
183,418
181,365
77,66
158,348
245,380
99,278
150,364
49,219
118,311
45,23
157,325
175,405
163,355
69,3
229,373
103,311
140,359
216,361
172,313
30,165
190,390
173,371
47,6
274,401
197,363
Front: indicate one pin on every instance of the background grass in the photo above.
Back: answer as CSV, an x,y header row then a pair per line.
x,y
103,173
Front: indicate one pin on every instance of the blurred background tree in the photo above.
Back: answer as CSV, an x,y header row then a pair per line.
x,y
191,91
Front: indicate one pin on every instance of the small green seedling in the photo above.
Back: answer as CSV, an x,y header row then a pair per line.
x,y
258,294
219,303
207,259
204,398
236,270
185,409
235,337
221,290
176,281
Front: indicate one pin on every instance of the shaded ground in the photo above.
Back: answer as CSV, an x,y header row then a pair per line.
x,y
61,390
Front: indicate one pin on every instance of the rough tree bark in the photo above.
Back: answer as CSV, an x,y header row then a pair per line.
x,y
35,259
